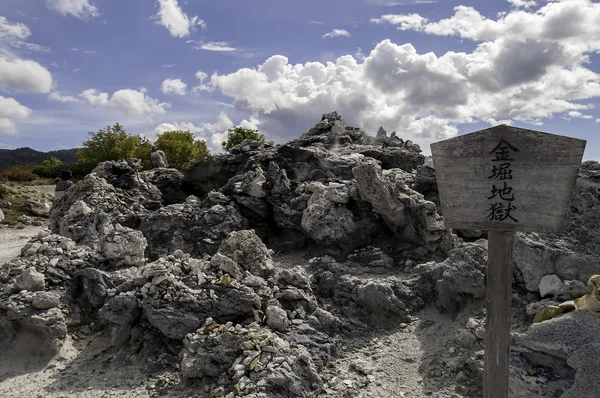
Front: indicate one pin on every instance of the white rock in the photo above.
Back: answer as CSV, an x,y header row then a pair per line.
x,y
550,285
276,318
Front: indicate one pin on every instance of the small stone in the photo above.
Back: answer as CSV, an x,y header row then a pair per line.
x,y
277,318
46,300
550,285
31,280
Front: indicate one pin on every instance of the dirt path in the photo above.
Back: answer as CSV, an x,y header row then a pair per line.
x,y
13,239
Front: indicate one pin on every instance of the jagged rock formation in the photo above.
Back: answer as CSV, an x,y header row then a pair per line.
x,y
200,264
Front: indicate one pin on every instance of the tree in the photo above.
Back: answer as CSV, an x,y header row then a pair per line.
x,y
236,135
112,143
50,168
181,148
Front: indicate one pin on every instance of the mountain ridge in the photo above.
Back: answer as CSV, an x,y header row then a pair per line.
x,y
26,155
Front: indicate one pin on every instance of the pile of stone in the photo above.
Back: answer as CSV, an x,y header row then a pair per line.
x,y
259,261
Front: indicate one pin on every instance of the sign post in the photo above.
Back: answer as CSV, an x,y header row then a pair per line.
x,y
502,180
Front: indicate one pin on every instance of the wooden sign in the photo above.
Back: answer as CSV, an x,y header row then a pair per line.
x,y
505,179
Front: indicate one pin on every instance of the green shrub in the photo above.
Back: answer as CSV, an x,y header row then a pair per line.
x,y
236,135
181,148
50,168
20,173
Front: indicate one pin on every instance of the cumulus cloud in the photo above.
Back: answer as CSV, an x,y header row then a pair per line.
x,y
55,96
173,86
11,109
81,9
178,23
133,101
337,33
20,75
221,46
527,66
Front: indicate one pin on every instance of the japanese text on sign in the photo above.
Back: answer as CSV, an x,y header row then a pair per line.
x,y
502,195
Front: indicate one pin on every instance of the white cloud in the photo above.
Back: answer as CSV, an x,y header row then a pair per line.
x,y
317,22
519,71
598,120
579,115
81,9
11,109
172,17
14,35
202,76
221,46
522,3
55,96
133,101
168,65
337,33
406,21
21,75
173,86
13,31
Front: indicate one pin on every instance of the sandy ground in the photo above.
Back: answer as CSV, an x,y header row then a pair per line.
x,y
13,239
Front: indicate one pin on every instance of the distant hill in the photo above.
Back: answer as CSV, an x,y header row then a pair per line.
x,y
24,156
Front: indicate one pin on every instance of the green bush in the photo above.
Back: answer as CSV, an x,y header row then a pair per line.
x,y
236,135
181,148
3,191
20,174
111,143
50,168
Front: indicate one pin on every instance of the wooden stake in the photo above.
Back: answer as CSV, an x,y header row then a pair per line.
x,y
498,299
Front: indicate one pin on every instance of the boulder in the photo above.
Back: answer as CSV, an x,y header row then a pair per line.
x,y
36,208
550,285
247,250
405,211
159,159
276,318
30,279
46,300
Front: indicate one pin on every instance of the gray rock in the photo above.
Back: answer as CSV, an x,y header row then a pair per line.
x,y
276,318
550,285
92,286
278,181
120,312
46,300
5,204
247,250
1,215
226,264
463,272
536,256
169,182
571,290
405,211
159,159
31,280
36,208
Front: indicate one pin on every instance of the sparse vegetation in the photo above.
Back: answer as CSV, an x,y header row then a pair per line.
x,y
20,174
236,135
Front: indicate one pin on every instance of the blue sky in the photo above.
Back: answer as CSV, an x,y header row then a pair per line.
x,y
428,69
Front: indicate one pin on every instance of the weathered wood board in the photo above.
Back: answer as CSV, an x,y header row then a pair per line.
x,y
522,180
